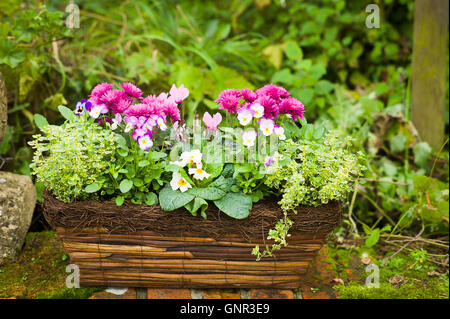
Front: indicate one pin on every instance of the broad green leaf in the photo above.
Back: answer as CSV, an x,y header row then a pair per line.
x,y
120,200
235,205
125,185
40,121
172,168
274,54
293,51
66,112
143,163
151,199
422,152
171,200
157,155
196,204
373,238
92,188
398,143
209,193
10,54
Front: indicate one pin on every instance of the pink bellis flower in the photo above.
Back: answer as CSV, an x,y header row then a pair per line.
x,y
229,100
270,106
273,91
131,90
292,107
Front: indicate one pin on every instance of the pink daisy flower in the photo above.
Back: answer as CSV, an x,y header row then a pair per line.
x,y
101,89
270,106
248,95
229,100
273,91
121,105
132,90
113,96
293,107
140,109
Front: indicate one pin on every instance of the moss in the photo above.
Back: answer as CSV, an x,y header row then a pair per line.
x,y
415,280
410,290
68,293
39,271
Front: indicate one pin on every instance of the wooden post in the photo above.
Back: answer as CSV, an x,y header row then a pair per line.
x,y
3,108
429,69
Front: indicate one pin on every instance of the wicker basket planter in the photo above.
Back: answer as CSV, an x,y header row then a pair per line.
x,y
143,246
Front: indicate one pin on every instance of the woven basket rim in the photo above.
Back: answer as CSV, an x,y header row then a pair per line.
x,y
131,218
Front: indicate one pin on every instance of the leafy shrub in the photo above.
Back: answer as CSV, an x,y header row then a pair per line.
x,y
72,156
314,173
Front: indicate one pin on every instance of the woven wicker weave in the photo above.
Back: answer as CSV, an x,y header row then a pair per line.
x,y
143,246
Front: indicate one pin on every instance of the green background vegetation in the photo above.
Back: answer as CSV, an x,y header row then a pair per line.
x,y
350,78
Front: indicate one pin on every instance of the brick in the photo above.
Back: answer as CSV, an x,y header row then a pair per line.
x,y
129,294
154,293
221,294
307,293
271,294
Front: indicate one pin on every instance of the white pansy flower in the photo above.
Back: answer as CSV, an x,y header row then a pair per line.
x,y
95,112
245,116
279,131
266,126
179,182
258,110
248,138
161,124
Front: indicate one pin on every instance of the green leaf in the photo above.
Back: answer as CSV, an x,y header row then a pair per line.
x,y
228,170
283,76
65,112
10,54
125,185
119,200
157,155
40,121
422,152
172,168
196,204
143,163
235,205
171,200
209,193
373,238
151,199
293,51
92,188
398,143
121,141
